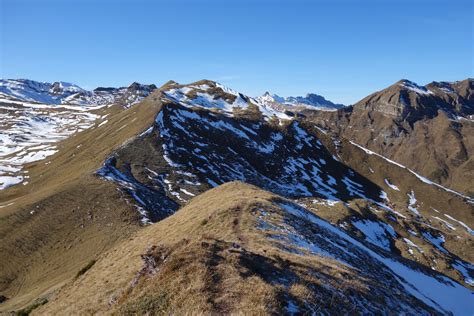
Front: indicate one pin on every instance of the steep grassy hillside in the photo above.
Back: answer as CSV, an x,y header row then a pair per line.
x,y
66,216
238,249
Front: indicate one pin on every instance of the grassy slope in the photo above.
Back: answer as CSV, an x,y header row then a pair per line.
x,y
82,224
210,258
217,255
432,202
76,216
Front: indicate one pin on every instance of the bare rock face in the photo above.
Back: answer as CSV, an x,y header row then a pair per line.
x,y
405,100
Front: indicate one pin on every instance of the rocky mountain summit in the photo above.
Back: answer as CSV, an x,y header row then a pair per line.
x,y
407,101
427,128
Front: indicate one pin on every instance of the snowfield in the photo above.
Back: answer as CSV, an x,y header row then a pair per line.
x,y
30,131
58,93
36,115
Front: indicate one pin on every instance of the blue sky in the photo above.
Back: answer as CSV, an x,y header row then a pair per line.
x,y
343,50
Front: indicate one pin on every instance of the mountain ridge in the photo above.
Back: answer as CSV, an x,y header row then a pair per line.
x,y
68,93
406,100
242,245
310,101
147,163
427,128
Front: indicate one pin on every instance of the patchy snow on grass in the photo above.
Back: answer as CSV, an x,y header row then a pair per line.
x,y
203,98
30,130
446,223
391,186
186,192
412,244
412,232
421,178
436,290
8,181
468,229
325,202
436,241
354,188
151,204
463,270
412,203
415,88
288,233
102,123
383,195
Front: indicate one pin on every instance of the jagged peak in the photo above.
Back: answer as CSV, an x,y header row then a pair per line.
x,y
135,86
310,100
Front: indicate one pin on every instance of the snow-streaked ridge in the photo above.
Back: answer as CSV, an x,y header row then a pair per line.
x,y
68,93
436,290
200,95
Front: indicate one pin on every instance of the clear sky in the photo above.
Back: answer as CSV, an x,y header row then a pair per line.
x,y
342,50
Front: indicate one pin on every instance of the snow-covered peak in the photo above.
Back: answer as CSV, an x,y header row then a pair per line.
x,y
311,100
267,97
67,93
412,86
34,91
62,87
210,94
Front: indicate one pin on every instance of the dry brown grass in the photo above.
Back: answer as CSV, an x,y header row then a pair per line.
x,y
66,216
214,254
209,257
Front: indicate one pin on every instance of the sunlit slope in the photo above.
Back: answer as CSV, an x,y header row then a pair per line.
x,y
237,248
65,216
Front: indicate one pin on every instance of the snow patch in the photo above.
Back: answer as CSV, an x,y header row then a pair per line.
x,y
391,186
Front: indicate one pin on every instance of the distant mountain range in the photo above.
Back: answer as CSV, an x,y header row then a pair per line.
x,y
310,101
68,93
